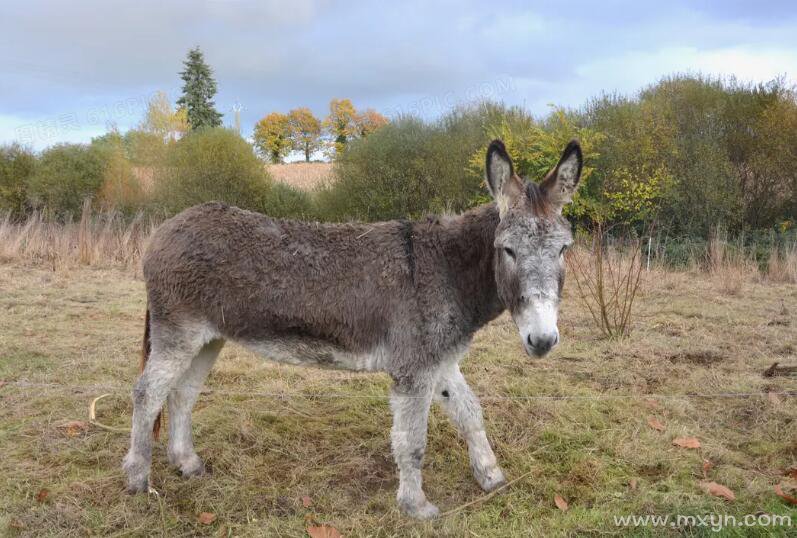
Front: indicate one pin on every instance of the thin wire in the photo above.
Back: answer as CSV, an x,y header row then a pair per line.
x,y
351,396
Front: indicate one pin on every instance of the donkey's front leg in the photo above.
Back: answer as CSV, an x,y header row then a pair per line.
x,y
464,410
408,439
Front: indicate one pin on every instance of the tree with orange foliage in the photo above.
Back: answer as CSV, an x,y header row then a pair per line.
x,y
305,131
340,122
368,122
273,137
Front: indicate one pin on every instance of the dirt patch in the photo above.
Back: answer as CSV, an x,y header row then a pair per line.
x,y
703,358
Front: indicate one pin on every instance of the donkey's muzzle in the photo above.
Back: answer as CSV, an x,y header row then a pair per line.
x,y
539,346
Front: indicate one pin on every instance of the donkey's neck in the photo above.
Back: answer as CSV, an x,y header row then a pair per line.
x,y
466,244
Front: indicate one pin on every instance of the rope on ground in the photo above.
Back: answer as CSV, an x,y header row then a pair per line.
x,y
93,417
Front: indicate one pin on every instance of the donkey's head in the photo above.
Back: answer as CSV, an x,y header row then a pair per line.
x,y
530,242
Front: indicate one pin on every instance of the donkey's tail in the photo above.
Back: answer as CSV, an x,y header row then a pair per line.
x,y
145,351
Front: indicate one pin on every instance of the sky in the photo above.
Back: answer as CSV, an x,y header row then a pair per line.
x,y
69,70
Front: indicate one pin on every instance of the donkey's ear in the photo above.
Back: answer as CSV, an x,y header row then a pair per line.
x,y
504,185
561,183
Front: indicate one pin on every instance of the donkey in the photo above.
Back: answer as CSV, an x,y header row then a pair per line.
x,y
399,297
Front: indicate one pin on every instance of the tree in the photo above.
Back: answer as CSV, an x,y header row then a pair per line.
x,y
162,120
368,122
65,176
199,87
340,123
17,164
273,136
305,131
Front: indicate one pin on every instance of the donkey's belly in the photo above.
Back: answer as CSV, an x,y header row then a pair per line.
x,y
314,352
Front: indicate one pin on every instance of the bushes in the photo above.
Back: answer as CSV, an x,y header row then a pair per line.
x,y
17,164
702,152
217,164
406,169
66,175
411,167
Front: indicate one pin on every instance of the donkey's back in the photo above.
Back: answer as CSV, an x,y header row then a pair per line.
x,y
296,291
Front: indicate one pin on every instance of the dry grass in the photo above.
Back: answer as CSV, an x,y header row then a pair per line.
x,y
301,175
730,268
327,436
105,240
782,265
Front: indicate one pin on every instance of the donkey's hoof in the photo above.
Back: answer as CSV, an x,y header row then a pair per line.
x,y
137,474
425,510
190,466
137,485
490,480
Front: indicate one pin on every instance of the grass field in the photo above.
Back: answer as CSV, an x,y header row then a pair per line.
x,y
273,434
301,175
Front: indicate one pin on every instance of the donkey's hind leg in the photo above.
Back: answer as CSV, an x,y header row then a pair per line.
x,y
181,401
173,348
464,410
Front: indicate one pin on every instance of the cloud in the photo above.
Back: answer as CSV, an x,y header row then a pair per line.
x,y
92,59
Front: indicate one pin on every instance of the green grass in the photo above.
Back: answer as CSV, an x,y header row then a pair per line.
x,y
83,328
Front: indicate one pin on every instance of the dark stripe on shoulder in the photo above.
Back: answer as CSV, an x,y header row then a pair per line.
x,y
405,229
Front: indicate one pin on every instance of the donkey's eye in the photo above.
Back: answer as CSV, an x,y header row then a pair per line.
x,y
509,252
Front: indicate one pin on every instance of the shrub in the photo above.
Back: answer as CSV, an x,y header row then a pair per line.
x,y
405,169
17,164
211,164
285,202
607,280
121,189
217,164
66,175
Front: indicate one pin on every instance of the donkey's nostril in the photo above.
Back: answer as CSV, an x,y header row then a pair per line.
x,y
542,345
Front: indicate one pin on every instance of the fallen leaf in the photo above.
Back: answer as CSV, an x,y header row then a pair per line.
x,y
307,502
686,442
73,428
560,503
788,498
16,524
707,466
632,484
656,424
718,490
792,472
324,531
773,398
42,495
206,518
2,383
653,404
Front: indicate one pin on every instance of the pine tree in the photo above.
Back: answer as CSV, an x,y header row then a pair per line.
x,y
198,90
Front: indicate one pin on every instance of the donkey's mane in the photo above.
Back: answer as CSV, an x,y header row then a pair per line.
x,y
537,199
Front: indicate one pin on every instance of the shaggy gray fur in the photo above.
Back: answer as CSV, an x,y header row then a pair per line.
x,y
399,297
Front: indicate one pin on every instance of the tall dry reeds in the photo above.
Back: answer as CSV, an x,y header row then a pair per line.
x,y
729,265
782,264
97,239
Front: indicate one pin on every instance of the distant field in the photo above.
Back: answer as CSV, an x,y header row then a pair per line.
x,y
304,176
273,434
